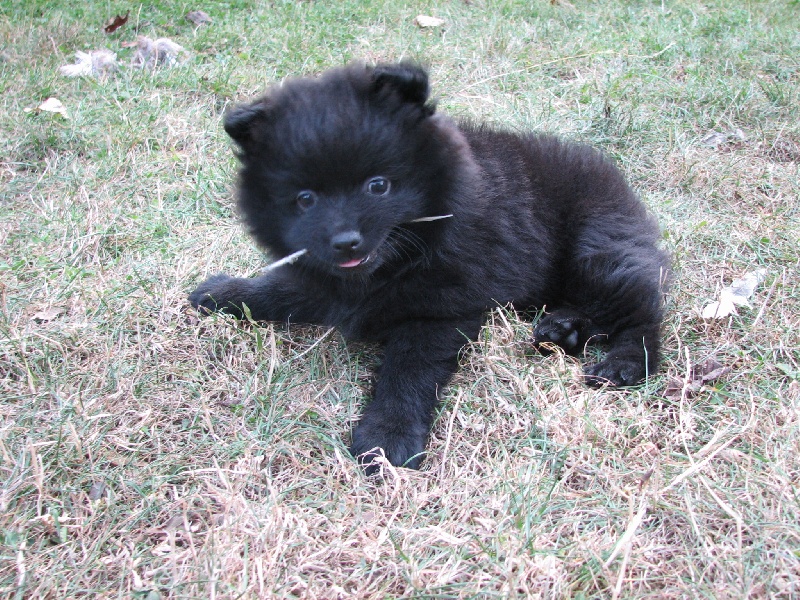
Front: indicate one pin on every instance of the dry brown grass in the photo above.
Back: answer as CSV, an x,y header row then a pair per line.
x,y
147,453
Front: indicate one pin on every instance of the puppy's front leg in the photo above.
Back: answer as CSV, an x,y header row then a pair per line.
x,y
272,297
420,357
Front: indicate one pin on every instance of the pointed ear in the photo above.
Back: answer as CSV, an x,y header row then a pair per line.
x,y
240,120
408,80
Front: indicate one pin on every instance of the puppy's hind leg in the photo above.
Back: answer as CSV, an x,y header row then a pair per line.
x,y
566,328
617,298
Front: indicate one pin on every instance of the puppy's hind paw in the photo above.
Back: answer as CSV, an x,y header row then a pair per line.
x,y
617,372
562,328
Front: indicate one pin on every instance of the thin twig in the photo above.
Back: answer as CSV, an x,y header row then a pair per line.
x,y
315,344
731,512
696,466
562,59
286,260
630,531
763,307
449,436
621,573
426,219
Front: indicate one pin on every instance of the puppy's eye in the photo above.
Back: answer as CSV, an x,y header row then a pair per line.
x,y
305,199
379,186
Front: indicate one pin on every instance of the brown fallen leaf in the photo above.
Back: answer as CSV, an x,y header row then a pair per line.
x,y
97,490
700,374
734,138
782,151
674,388
198,17
116,23
709,370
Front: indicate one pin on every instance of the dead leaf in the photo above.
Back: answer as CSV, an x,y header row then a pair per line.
x,y
424,21
736,294
48,314
721,309
743,288
97,490
700,374
96,63
716,139
198,17
51,105
150,54
783,151
116,23
54,105
709,370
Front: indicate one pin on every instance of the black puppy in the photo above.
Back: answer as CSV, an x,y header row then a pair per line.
x,y
350,166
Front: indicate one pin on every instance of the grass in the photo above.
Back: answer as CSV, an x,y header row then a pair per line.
x,y
147,453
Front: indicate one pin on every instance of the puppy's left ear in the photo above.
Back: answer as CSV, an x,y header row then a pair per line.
x,y
409,80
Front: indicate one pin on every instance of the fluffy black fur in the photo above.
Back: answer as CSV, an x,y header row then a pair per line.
x,y
343,164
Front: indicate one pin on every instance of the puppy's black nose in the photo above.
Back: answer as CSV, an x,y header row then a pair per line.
x,y
347,241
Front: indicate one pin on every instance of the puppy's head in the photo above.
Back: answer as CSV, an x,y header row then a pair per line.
x,y
338,165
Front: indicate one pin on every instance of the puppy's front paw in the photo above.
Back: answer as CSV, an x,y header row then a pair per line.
x,y
616,371
213,295
561,328
401,447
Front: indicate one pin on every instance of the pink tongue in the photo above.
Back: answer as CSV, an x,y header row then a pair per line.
x,y
351,263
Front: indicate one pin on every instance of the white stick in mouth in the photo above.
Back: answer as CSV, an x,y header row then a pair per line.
x,y
286,260
426,219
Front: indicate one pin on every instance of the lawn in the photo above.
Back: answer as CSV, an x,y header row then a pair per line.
x,y
148,453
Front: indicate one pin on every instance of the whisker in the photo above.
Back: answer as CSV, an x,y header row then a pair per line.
x,y
413,239
406,244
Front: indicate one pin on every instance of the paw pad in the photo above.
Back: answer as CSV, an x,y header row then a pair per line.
x,y
559,329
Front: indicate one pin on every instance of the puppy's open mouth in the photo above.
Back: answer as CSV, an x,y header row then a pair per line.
x,y
356,262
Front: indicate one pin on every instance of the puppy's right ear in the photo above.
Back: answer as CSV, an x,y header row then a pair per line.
x,y
409,80
240,121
